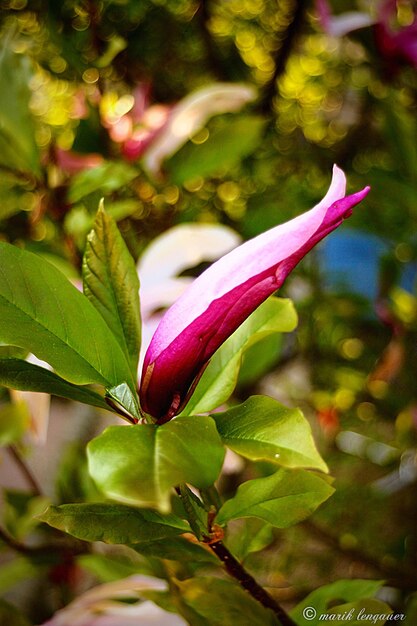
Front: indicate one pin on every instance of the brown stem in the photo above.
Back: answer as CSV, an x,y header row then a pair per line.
x,y
25,471
235,569
284,52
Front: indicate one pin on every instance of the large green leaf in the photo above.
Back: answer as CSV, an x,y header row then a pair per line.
x,y
140,464
223,603
111,283
41,311
276,315
113,523
228,143
282,499
18,148
19,374
263,429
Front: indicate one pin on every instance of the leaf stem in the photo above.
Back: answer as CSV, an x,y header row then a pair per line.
x,y
238,572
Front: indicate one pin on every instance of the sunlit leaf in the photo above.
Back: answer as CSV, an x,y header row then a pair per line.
x,y
263,429
14,421
282,499
111,284
140,464
44,313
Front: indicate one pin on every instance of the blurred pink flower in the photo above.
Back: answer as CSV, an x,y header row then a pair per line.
x,y
397,44
221,298
73,162
155,132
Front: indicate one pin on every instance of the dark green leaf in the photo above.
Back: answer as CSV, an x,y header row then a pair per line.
x,y
223,603
42,312
107,568
232,140
263,429
111,283
18,374
140,464
113,523
282,499
176,549
276,315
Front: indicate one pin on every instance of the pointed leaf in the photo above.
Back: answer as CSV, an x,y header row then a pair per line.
x,y
282,499
111,284
276,315
140,464
113,523
18,374
44,313
263,429
126,398
176,549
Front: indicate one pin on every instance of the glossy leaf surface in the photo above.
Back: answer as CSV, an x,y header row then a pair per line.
x,y
140,464
263,429
42,312
282,499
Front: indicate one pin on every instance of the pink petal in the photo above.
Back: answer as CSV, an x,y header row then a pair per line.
x,y
226,294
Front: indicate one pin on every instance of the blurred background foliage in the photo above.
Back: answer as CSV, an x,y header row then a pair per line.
x,y
83,86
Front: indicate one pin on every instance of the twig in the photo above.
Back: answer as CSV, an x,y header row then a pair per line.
x,y
26,471
235,569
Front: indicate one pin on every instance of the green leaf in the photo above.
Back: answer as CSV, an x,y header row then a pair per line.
x,y
111,283
223,603
18,374
112,523
176,549
263,429
248,536
44,313
18,148
107,568
140,464
14,421
124,396
105,178
282,499
324,597
276,315
231,139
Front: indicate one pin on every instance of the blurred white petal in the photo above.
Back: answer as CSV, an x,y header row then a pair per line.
x,y
190,114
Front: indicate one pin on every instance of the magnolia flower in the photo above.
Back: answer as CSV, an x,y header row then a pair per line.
x,y
221,298
181,248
